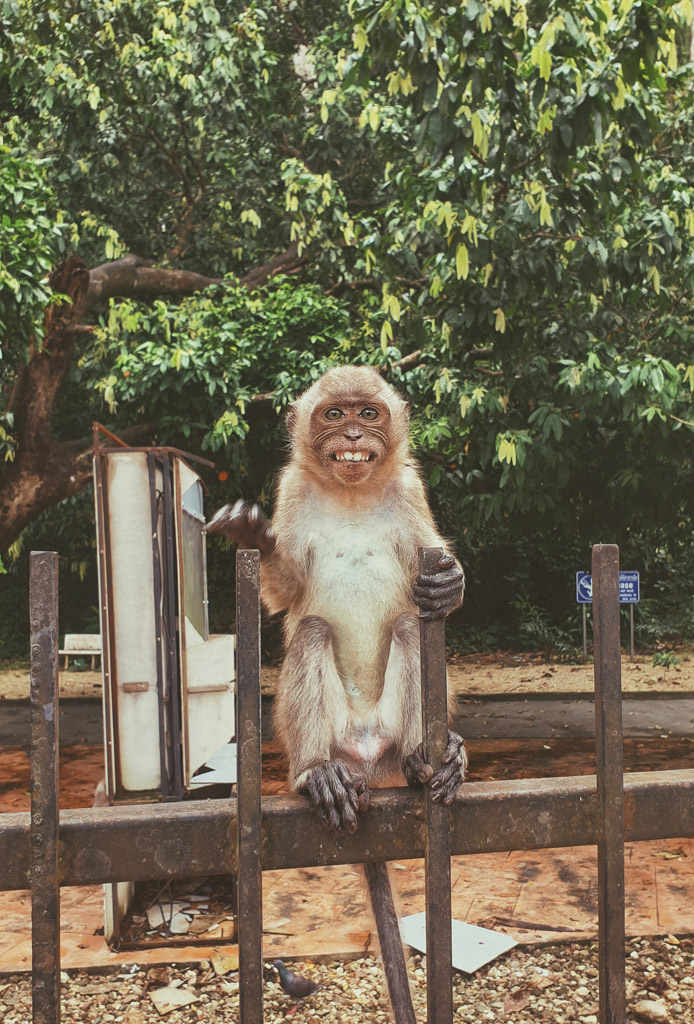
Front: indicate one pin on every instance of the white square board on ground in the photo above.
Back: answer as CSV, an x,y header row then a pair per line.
x,y
473,947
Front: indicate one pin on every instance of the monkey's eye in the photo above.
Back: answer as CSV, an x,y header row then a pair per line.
x,y
369,414
333,414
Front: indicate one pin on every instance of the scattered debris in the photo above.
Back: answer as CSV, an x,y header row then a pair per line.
x,y
225,964
200,907
473,947
517,1000
170,998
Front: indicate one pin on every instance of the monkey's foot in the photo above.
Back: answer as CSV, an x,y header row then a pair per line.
x,y
446,782
338,795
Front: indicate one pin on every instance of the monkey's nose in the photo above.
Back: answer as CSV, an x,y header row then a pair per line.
x,y
353,433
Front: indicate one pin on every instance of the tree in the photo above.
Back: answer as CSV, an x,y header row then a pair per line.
x,y
493,203
127,175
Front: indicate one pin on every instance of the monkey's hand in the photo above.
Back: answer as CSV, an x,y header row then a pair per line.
x,y
441,593
338,794
446,782
246,524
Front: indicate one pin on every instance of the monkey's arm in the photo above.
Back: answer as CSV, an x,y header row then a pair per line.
x,y
248,526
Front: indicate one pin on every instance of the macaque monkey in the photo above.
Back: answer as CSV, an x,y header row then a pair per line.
x,y
341,558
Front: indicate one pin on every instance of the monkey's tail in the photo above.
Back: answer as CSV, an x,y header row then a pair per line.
x,y
392,953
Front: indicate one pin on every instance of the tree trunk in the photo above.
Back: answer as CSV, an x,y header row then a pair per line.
x,y
35,482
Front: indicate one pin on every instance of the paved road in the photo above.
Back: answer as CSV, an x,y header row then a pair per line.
x,y
552,719
80,720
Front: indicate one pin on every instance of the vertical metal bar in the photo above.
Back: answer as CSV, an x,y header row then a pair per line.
x,y
114,782
45,883
631,632
250,885
585,633
173,687
105,612
437,857
158,622
609,769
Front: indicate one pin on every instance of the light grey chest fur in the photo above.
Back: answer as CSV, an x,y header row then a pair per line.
x,y
356,582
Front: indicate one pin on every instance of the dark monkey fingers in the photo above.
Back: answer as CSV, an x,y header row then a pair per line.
x,y
338,794
446,782
440,594
246,524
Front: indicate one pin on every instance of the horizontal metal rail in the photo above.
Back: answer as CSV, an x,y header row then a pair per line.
x,y
150,841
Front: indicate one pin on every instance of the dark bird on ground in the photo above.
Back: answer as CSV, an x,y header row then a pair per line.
x,y
294,984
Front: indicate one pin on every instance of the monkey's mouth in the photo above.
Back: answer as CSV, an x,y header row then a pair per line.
x,y
350,456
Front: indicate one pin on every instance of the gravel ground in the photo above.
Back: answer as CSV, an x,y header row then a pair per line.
x,y
555,983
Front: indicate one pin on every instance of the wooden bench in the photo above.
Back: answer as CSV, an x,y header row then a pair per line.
x,y
81,645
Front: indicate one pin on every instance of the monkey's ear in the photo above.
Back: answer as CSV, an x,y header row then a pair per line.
x,y
290,418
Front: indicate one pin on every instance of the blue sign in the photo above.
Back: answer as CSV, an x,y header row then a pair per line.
x,y
628,588
584,588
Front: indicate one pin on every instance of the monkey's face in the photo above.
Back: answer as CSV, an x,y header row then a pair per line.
x,y
350,439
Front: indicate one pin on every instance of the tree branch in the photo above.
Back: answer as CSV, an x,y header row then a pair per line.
x,y
287,262
136,278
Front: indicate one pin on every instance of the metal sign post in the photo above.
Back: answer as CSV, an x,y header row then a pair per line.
x,y
629,593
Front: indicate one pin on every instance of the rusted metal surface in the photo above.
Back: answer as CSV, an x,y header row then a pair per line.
x,y
609,772
98,429
158,578
389,941
105,605
45,883
249,820
150,841
172,694
437,854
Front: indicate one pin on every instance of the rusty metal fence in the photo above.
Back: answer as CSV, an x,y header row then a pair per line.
x,y
43,850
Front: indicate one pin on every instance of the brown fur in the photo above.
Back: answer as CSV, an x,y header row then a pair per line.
x,y
343,568
341,559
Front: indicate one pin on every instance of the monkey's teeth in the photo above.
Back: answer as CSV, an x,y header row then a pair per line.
x,y
352,456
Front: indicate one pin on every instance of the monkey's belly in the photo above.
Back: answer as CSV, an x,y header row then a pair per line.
x,y
357,585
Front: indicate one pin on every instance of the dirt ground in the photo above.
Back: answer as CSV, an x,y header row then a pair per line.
x,y
82,767
475,674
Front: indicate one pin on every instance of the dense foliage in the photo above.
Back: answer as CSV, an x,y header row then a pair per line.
x,y
501,190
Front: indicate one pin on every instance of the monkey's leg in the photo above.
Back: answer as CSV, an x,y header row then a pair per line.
x,y
392,953
400,705
311,717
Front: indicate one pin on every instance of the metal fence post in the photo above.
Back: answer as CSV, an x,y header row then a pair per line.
x,y
437,857
45,881
609,770
248,739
